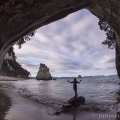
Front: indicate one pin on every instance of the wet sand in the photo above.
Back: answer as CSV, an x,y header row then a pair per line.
x,y
25,109
5,78
5,104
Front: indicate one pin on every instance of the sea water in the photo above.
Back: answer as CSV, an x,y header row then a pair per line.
x,y
99,91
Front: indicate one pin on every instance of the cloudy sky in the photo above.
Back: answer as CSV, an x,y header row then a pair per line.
x,y
69,47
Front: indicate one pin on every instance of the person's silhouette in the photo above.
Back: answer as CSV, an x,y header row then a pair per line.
x,y
75,85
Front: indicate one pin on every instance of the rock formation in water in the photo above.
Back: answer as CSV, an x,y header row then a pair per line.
x,y
73,104
79,76
76,101
43,73
20,17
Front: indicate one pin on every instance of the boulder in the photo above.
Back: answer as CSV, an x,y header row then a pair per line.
x,y
67,107
76,101
43,73
73,103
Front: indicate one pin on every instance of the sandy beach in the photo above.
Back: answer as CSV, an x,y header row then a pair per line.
x,y
5,78
26,109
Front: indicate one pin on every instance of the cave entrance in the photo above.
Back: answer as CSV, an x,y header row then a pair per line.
x,y
69,47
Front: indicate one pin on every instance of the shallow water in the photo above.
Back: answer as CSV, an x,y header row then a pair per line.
x,y
99,92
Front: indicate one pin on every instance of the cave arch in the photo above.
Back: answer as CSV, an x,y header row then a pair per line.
x,y
76,36
21,17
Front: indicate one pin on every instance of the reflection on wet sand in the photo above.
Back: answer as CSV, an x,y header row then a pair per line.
x,y
5,104
74,115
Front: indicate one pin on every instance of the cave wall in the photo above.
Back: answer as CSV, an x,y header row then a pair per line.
x,y
18,18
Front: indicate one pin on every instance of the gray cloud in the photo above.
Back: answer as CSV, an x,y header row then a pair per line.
x,y
70,45
112,60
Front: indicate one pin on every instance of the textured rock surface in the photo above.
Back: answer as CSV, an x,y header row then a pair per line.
x,y
79,76
77,101
73,103
17,18
43,73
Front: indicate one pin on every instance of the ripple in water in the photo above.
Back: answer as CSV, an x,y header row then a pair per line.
x,y
101,93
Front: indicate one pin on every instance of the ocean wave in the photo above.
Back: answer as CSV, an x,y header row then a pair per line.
x,y
54,106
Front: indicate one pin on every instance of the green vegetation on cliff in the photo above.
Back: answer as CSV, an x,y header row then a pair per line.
x,y
12,68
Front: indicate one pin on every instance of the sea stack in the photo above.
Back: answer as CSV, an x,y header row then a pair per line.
x,y
43,73
79,76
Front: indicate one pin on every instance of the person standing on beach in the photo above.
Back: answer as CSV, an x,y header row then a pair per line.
x,y
75,86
